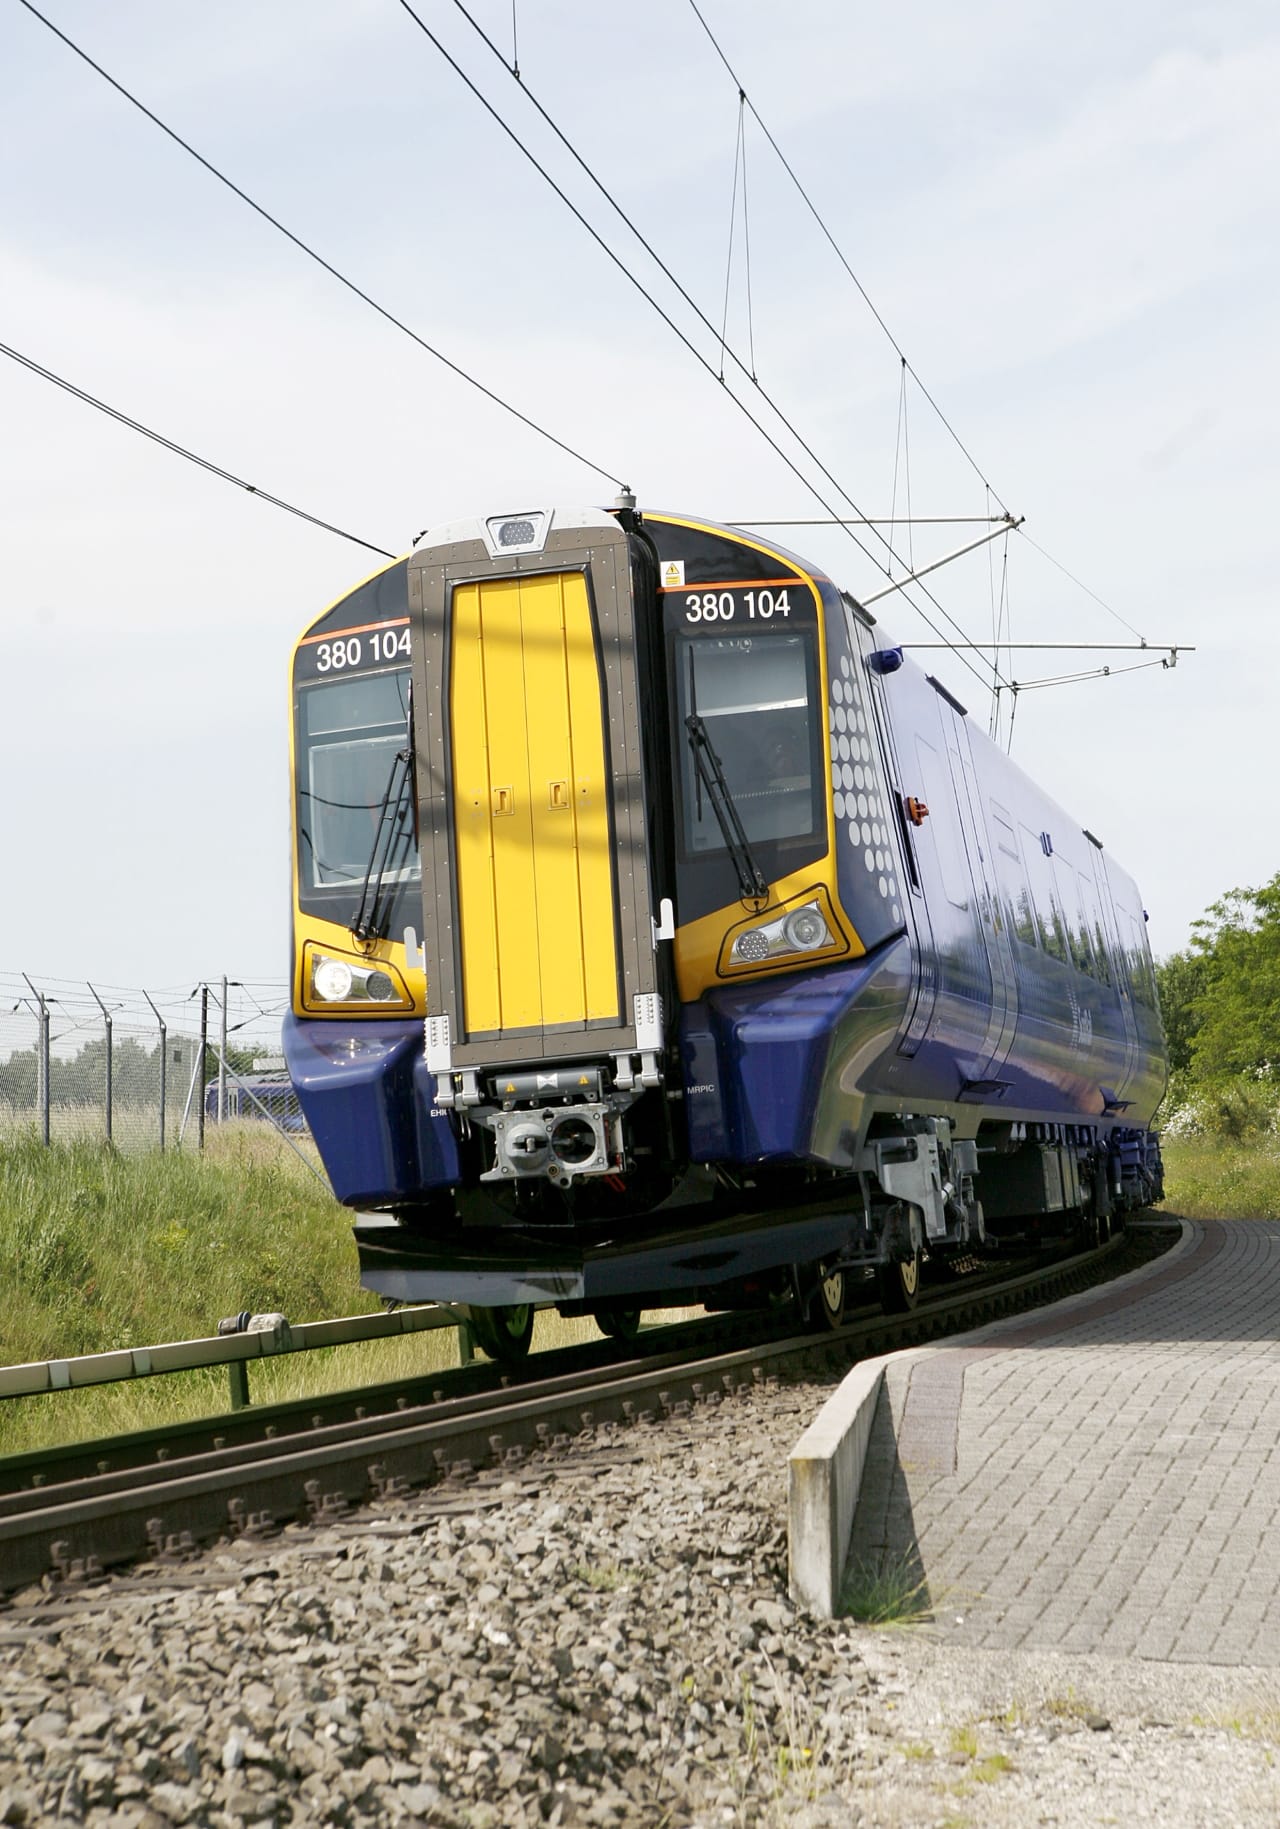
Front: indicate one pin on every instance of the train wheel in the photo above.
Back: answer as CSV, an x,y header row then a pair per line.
x,y
826,1310
899,1285
618,1323
1095,1228
503,1333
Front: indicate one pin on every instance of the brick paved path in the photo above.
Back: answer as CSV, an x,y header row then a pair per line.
x,y
1104,1477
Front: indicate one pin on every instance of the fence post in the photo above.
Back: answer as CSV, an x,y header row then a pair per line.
x,y
191,1093
42,1061
222,1059
204,1056
106,1018
164,1061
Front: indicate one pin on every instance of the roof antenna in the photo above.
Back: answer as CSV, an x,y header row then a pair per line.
x,y
625,498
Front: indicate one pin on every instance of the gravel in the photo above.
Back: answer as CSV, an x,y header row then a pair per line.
x,y
593,1637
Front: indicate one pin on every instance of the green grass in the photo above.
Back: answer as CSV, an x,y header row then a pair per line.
x,y
893,1595
100,1250
1222,1178
103,1250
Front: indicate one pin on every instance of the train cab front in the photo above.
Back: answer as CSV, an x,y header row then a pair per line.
x,y
574,957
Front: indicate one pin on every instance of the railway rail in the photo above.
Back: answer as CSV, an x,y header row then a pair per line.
x,y
71,1514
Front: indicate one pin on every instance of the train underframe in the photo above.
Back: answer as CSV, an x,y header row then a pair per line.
x,y
573,1202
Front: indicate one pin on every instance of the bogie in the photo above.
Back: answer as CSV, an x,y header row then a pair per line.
x,y
503,1334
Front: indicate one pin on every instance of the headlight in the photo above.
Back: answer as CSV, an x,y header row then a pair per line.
x,y
806,930
348,981
332,980
803,930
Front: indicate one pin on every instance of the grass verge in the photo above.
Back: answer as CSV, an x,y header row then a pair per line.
x,y
100,1250
1222,1178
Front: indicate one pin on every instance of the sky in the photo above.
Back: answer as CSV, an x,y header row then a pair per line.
x,y
1065,217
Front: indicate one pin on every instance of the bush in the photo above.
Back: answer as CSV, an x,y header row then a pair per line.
x,y
1237,1108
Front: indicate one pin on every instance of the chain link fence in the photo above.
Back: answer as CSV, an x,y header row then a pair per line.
x,y
142,1069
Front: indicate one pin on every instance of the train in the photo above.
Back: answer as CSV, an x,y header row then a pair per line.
x,y
664,935
257,1097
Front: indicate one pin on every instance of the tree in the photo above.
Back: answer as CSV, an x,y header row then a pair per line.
x,y
1180,980
1236,1006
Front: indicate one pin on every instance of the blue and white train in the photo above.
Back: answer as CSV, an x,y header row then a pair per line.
x,y
663,934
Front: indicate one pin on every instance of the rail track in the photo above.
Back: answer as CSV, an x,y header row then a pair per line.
x,y
69,1515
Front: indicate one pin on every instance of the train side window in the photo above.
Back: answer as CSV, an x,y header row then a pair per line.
x,y
1084,933
1140,974
1091,929
943,824
1043,896
1012,877
1074,930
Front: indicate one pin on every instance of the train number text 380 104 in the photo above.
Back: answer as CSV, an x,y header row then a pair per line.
x,y
733,606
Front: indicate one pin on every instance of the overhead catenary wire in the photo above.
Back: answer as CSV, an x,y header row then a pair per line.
x,y
839,254
638,284
906,364
1080,585
1097,673
336,273
835,519
746,369
622,266
739,162
881,520
312,254
192,457
902,451
1059,647
328,266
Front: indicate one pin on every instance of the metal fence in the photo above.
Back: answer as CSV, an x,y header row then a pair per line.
x,y
142,1069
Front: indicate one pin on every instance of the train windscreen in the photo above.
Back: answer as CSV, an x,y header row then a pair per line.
x,y
350,732
753,695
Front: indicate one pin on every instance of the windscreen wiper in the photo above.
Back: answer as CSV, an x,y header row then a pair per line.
x,y
370,920
711,775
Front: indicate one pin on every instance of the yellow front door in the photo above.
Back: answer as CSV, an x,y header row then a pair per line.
x,y
536,886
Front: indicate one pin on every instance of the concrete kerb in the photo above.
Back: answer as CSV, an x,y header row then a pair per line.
x,y
824,1471
824,1475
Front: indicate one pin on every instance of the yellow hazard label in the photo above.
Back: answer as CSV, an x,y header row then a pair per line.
x,y
673,575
